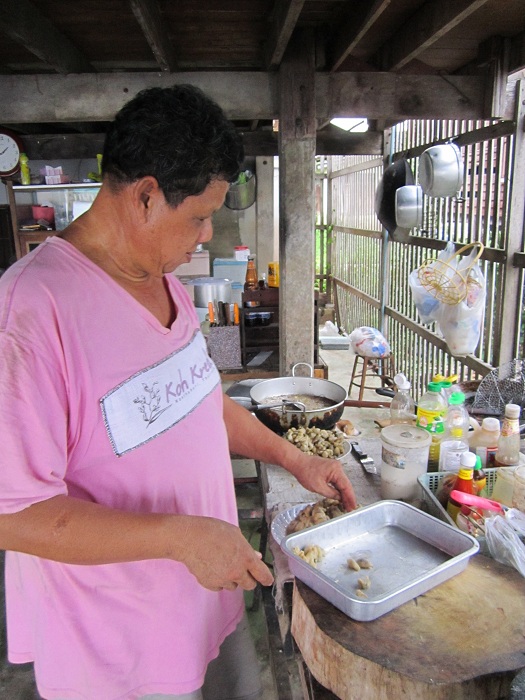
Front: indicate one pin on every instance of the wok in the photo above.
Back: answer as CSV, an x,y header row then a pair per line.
x,y
396,175
291,414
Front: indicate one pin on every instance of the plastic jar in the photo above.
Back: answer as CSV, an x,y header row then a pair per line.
x,y
504,486
484,442
518,493
404,457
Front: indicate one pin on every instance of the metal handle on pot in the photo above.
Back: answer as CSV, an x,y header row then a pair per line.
x,y
306,365
291,405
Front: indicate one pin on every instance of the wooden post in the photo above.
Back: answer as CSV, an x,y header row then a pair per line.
x,y
297,127
508,348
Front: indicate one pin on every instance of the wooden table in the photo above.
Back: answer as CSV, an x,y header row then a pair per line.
x,y
463,639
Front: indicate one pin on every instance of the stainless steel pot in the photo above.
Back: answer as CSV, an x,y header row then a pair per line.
x,y
211,289
441,170
281,418
409,206
396,175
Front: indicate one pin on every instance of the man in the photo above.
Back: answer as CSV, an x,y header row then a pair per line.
x,y
125,564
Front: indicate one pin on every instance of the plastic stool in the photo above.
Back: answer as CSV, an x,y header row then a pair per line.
x,y
372,367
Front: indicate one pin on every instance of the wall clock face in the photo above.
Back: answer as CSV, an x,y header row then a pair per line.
x,y
10,148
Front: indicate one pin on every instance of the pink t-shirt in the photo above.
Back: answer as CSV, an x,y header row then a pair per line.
x,y
100,401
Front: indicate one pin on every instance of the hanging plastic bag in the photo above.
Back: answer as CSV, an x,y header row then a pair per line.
x,y
504,542
461,323
426,302
369,342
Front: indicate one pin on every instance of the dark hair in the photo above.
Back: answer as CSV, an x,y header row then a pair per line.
x,y
177,135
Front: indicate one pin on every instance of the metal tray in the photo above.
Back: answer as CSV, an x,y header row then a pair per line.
x,y
411,552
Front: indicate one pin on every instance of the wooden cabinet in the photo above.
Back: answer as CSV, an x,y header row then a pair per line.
x,y
68,201
259,335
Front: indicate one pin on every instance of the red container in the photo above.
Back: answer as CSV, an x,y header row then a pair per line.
x,y
45,213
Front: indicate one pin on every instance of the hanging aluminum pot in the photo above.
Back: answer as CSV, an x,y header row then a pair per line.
x,y
409,206
441,170
396,175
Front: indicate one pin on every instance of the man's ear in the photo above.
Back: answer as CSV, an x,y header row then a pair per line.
x,y
146,192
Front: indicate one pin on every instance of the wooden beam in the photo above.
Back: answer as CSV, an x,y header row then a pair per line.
x,y
354,29
399,97
40,98
23,22
148,15
285,16
429,24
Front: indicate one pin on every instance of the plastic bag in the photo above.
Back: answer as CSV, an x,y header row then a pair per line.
x,y
461,324
503,540
369,342
427,304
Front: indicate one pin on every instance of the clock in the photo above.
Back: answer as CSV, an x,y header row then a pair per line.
x,y
10,148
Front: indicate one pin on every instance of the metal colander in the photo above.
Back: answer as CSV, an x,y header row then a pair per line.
x,y
503,385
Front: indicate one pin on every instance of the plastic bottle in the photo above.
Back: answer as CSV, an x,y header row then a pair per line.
x,y
402,408
484,442
437,431
455,440
251,281
508,452
25,174
479,479
464,482
430,406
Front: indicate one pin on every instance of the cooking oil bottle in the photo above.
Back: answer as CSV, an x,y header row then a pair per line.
x,y
251,281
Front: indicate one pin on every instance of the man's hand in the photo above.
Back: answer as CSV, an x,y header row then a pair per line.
x,y
325,476
219,556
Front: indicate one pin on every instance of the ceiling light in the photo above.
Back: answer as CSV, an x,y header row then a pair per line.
x,y
355,124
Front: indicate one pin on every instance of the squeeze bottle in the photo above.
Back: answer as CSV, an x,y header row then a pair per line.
x,y
464,482
402,408
508,452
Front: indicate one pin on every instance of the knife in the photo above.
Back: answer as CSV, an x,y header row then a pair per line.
x,y
367,462
227,317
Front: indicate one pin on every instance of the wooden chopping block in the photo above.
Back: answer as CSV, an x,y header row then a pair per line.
x,y
463,639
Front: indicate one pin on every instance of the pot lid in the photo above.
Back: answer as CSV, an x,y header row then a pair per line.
x,y
405,436
201,281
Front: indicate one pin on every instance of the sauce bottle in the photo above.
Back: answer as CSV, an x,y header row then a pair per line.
x,y
508,452
25,174
479,479
251,281
437,431
464,482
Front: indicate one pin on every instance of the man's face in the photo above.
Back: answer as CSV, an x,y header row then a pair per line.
x,y
176,232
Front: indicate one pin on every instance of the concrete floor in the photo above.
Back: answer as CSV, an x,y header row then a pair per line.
x,y
17,681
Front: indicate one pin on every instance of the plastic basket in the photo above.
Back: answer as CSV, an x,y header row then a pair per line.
x,y
429,484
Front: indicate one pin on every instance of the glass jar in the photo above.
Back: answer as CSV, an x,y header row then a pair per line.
x,y
518,493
